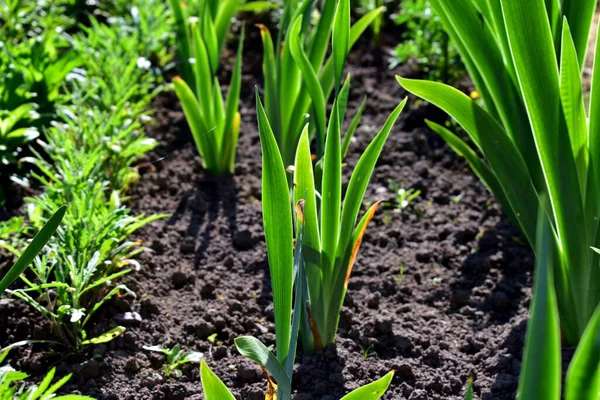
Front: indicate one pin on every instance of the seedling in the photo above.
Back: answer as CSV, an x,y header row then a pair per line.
x,y
403,196
175,358
367,352
401,274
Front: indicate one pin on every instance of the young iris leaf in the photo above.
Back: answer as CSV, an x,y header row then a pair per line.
x,y
291,91
215,123
541,370
213,387
329,244
371,391
534,130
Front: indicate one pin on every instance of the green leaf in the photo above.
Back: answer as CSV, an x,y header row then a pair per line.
x,y
580,13
331,196
541,368
214,388
33,249
209,37
537,71
258,6
227,10
195,119
503,156
571,95
481,169
327,75
253,349
360,179
183,42
304,189
269,67
352,128
277,220
106,336
340,39
310,79
203,76
469,391
373,390
60,383
232,116
583,375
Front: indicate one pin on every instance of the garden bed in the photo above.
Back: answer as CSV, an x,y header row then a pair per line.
x,y
440,290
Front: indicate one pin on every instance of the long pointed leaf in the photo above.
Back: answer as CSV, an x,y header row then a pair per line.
x,y
504,158
583,376
373,390
33,249
541,369
253,348
214,388
277,219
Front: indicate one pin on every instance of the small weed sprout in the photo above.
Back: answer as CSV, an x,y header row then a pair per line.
x,y
401,274
367,352
176,357
403,196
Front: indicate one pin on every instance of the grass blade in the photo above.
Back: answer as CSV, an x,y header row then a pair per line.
x,y
33,249
232,116
360,179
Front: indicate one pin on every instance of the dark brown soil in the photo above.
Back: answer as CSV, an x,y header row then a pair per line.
x,y
439,292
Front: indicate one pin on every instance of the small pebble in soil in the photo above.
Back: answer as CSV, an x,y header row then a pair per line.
x,y
132,365
404,370
220,353
235,306
207,288
247,372
188,246
152,379
89,369
204,329
180,279
244,240
373,300
384,324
